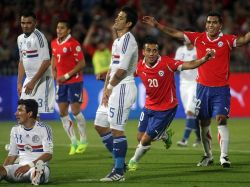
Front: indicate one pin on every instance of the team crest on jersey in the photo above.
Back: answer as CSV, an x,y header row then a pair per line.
x,y
161,73
28,44
78,48
35,139
220,44
65,49
28,148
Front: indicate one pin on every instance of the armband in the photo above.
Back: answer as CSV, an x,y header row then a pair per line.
x,y
66,76
110,86
31,164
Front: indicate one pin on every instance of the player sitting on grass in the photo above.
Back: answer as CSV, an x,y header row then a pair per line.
x,y
31,142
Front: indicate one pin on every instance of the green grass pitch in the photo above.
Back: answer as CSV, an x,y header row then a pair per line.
x,y
159,167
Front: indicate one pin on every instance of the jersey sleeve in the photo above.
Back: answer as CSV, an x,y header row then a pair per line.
x,y
77,51
47,139
43,49
191,36
173,65
129,48
19,49
13,146
231,39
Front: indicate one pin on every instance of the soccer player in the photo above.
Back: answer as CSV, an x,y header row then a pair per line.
x,y
187,52
213,91
31,141
35,64
67,64
157,75
119,93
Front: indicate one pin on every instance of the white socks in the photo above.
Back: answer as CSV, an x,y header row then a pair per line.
x,y
139,152
81,124
223,138
68,127
206,140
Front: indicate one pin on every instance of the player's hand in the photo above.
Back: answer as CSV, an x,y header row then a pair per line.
x,y
19,89
21,170
210,54
61,80
150,21
29,87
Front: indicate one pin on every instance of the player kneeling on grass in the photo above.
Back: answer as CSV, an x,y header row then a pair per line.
x,y
157,75
30,141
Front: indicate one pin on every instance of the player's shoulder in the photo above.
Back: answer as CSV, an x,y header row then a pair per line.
x,y
42,125
228,36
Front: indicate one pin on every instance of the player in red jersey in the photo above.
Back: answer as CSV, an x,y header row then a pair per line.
x,y
67,63
157,75
213,92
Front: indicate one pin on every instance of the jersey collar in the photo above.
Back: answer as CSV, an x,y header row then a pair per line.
x,y
158,60
66,39
220,35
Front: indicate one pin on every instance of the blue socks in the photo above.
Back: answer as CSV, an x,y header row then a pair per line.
x,y
120,147
107,140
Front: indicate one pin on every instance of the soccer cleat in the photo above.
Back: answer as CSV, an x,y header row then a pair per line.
x,y
196,143
224,161
132,165
113,177
168,141
72,150
38,175
182,143
81,147
206,161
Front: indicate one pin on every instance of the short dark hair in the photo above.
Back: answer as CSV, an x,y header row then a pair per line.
x,y
131,15
216,14
66,22
27,13
150,40
30,105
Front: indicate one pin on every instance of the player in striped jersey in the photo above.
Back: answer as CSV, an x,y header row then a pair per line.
x,y
35,64
30,141
119,93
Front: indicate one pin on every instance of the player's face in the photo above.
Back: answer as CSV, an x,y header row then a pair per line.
x,y
28,24
121,21
213,26
151,53
62,30
21,115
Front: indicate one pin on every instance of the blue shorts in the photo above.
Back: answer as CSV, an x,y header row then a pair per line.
x,y
69,93
154,123
212,101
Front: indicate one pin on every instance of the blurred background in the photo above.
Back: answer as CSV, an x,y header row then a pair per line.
x,y
92,21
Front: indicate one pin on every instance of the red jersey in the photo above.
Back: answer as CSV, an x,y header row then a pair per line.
x,y
216,71
159,83
67,54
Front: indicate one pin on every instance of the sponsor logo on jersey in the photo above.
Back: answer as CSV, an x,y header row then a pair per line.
x,y
161,73
28,148
220,44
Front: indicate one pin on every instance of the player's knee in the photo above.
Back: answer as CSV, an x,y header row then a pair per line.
x,y
101,130
221,120
189,113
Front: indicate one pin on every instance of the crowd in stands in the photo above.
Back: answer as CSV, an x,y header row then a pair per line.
x,y
98,15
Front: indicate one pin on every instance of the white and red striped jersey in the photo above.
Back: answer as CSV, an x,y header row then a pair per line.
x,y
29,144
33,50
124,56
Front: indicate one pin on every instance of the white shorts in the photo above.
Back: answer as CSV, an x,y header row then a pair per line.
x,y
43,93
121,100
11,169
188,95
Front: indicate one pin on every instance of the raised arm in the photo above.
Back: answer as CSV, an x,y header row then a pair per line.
x,y
168,30
196,63
242,40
